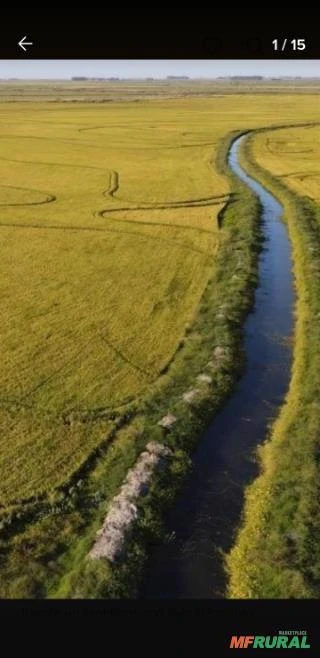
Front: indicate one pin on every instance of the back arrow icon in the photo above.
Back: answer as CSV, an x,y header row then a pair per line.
x,y
24,43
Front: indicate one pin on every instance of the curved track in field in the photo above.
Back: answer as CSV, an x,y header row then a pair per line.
x,y
49,197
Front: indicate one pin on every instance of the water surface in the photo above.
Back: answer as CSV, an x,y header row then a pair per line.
x,y
207,511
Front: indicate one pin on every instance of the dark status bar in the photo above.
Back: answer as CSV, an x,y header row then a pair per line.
x,y
121,40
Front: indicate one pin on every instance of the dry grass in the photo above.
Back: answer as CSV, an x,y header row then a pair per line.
x,y
293,155
96,300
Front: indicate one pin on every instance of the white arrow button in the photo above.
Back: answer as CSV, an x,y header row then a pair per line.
x,y
22,43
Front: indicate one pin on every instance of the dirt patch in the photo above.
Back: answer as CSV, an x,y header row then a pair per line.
x,y
204,379
190,396
111,538
167,421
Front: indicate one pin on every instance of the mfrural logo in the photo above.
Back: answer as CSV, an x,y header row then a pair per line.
x,y
284,640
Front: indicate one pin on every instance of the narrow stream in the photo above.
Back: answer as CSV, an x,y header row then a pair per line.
x,y
207,512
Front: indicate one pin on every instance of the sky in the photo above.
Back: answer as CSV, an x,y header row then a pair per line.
x,y
58,69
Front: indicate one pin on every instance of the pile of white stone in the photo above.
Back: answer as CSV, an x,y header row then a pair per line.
x,y
111,539
123,511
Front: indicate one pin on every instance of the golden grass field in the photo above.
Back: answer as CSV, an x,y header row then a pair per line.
x,y
98,292
293,155
108,224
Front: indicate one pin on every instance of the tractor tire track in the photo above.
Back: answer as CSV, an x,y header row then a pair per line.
x,y
119,353
50,164
186,203
300,174
113,184
97,229
126,359
49,198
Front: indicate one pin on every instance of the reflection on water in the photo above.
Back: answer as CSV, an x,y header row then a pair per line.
x,y
207,512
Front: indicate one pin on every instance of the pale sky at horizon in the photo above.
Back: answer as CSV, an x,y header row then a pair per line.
x,y
59,69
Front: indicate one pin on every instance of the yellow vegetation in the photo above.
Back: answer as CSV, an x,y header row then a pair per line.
x,y
108,218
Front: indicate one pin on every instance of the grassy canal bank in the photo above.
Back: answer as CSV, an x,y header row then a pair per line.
x,y
276,554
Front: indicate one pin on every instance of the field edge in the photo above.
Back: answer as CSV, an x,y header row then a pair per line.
x,y
276,550
240,218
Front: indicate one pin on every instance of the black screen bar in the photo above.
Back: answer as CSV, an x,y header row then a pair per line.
x,y
122,40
